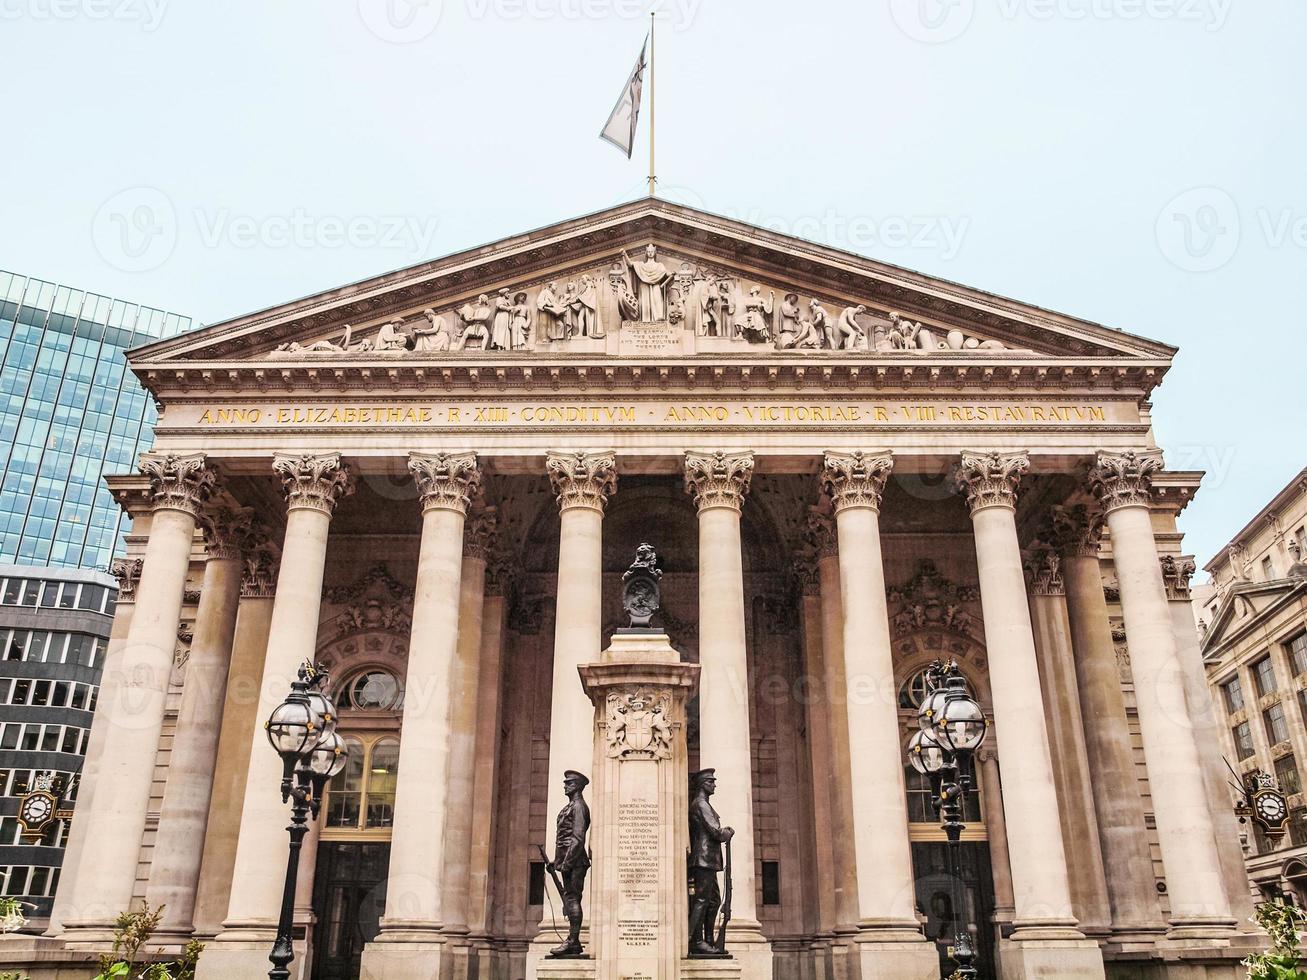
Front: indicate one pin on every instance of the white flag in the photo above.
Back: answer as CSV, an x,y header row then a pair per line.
x,y
620,128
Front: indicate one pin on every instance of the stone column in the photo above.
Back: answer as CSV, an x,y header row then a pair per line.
x,y
1045,936
817,703
1000,864
128,572
825,540
719,482
1066,734
249,646
313,486
410,944
1209,725
889,936
465,701
489,713
583,483
1200,907
134,705
1118,805
179,843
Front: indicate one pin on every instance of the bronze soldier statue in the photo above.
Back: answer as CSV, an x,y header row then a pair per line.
x,y
571,860
706,838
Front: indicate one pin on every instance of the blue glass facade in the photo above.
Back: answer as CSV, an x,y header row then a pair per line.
x,y
70,412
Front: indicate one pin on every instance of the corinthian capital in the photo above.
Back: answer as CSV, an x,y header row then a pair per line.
x,y
990,479
446,481
821,532
259,579
128,573
582,479
1044,572
313,482
1176,573
480,533
226,532
179,482
1124,479
856,479
718,479
1077,531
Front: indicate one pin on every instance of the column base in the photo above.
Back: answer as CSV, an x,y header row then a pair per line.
x,y
421,959
882,959
225,959
1215,931
87,935
1036,959
750,948
710,970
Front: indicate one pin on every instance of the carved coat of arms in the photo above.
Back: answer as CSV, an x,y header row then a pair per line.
x,y
638,726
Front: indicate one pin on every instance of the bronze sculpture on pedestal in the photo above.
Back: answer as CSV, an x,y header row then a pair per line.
x,y
571,860
707,835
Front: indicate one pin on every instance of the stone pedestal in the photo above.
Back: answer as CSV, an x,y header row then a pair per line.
x,y
639,798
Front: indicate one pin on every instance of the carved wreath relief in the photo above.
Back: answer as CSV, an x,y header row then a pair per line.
x,y
643,289
638,726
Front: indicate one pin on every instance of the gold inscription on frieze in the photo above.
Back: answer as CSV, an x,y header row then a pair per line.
x,y
662,413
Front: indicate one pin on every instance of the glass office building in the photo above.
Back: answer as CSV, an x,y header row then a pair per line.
x,y
70,412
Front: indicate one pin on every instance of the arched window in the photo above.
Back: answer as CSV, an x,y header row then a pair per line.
x,y
913,691
372,690
362,796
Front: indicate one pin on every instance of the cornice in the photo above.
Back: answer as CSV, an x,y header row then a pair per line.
x,y
599,235
528,371
1291,589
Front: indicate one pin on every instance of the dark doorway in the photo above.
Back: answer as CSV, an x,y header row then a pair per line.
x,y
934,898
349,895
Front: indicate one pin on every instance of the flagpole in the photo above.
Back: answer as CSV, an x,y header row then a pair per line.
x,y
652,80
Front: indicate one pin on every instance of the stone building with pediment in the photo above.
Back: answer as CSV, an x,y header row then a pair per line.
x,y
431,481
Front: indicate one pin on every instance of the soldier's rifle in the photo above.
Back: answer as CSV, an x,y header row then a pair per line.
x,y
726,902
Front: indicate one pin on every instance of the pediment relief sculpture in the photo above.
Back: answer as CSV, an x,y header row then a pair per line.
x,y
375,602
721,309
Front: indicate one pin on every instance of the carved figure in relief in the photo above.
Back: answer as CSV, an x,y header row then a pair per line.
x,y
755,326
320,346
476,324
649,283
520,328
849,331
391,336
901,333
501,332
823,324
584,306
434,338
554,313
628,306
678,294
787,322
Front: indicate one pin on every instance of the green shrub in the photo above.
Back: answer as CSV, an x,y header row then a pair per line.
x,y
1282,960
132,931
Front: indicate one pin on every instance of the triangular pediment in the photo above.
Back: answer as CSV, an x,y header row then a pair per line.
x,y
651,279
1245,605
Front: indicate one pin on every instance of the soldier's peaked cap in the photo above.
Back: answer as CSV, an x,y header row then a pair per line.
x,y
573,774
698,777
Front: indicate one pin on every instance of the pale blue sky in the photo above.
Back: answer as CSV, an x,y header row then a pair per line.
x,y
1135,162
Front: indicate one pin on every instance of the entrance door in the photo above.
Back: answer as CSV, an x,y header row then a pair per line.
x,y
349,896
934,898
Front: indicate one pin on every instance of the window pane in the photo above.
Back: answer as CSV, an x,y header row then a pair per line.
x,y
1264,671
1243,740
1298,653
1277,728
345,793
1286,772
383,771
376,690
1233,694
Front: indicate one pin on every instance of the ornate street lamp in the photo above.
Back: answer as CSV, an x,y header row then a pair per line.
x,y
951,728
303,731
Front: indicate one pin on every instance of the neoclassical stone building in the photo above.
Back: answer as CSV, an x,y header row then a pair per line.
x,y
431,482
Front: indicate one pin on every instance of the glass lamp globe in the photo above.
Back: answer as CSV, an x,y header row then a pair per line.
x,y
293,727
329,756
325,709
925,753
962,725
931,706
